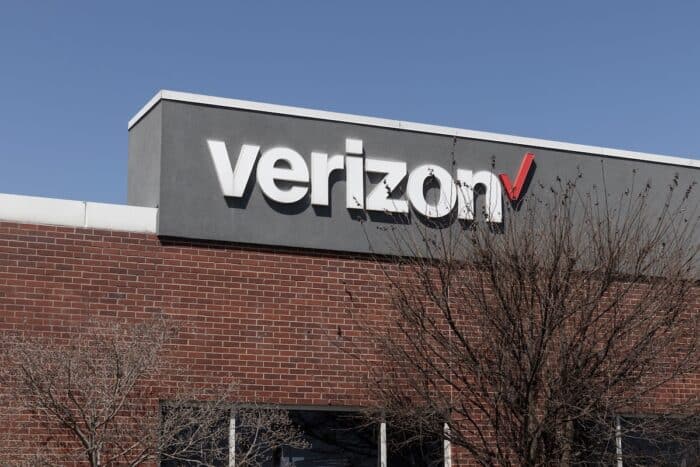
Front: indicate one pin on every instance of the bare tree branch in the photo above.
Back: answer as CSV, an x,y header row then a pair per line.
x,y
525,337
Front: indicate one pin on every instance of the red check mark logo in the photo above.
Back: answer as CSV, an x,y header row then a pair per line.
x,y
514,190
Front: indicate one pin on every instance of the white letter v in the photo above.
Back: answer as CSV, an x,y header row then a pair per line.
x,y
233,182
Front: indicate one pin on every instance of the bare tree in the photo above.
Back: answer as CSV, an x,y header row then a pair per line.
x,y
95,395
261,433
527,343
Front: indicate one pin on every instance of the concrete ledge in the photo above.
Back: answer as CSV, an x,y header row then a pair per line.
x,y
35,210
51,211
120,217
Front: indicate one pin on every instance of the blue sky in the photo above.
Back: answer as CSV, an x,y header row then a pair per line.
x,y
623,74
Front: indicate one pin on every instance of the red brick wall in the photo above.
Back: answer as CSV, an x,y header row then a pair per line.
x,y
268,318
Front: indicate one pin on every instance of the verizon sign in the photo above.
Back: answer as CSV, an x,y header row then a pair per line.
x,y
284,177
249,173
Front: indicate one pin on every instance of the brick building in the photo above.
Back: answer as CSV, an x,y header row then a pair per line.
x,y
252,252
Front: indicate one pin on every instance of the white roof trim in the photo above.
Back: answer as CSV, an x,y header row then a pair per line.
x,y
408,126
69,213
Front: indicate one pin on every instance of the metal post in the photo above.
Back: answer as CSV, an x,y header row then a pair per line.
x,y
382,444
618,441
447,448
232,441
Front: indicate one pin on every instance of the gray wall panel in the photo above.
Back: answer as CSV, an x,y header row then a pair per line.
x,y
192,205
144,160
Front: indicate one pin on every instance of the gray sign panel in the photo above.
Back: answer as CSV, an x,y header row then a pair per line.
x,y
173,150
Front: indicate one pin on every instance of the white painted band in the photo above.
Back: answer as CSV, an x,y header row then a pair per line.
x,y
50,211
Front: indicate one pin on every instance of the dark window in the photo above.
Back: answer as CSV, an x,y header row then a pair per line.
x,y
339,439
638,441
194,436
594,443
332,438
660,441
411,449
